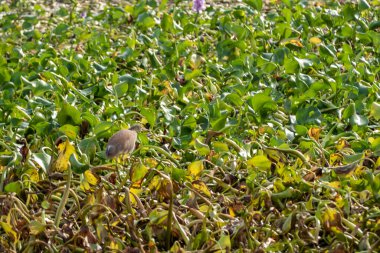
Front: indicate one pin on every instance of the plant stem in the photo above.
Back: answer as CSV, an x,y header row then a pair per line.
x,y
63,200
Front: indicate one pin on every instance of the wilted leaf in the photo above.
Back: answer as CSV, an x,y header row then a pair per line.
x,y
201,187
65,149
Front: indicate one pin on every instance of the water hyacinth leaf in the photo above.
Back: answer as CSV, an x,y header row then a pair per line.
x,y
137,173
201,187
134,193
260,162
61,28
375,111
304,63
220,147
77,166
70,131
88,146
262,103
69,115
33,175
150,115
36,227
10,231
89,180
145,20
255,4
195,169
42,159
315,40
15,187
65,149
224,242
104,129
375,144
202,148
308,115
314,133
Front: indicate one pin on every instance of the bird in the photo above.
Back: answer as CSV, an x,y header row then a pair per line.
x,y
122,142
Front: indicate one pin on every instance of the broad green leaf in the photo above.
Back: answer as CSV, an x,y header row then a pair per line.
x,y
70,131
15,187
375,111
202,148
260,161
261,103
77,166
68,114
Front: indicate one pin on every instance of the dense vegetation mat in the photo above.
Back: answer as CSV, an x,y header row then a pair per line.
x,y
263,126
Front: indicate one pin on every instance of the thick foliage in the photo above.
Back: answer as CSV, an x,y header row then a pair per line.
x,y
263,126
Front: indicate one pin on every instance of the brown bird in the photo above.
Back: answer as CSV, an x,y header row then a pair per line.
x,y
122,142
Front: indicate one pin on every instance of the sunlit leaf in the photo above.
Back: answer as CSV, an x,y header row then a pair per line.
x,y
15,187
260,161
195,169
202,148
315,40
314,133
137,173
375,110
10,231
65,149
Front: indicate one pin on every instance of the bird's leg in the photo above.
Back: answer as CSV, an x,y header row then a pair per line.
x,y
117,170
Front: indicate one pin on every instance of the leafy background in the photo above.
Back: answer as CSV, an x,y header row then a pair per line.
x,y
263,126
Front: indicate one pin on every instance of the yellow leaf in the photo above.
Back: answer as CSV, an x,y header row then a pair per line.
x,y
132,192
314,133
137,173
33,174
195,169
335,159
335,184
342,143
202,187
231,211
315,40
377,164
85,186
65,149
91,178
154,183
9,231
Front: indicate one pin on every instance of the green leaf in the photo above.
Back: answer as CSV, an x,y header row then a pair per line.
x,y
262,103
88,147
260,161
69,115
70,131
309,115
255,4
145,20
202,148
150,115
61,28
77,166
375,111
15,187
363,5
220,147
